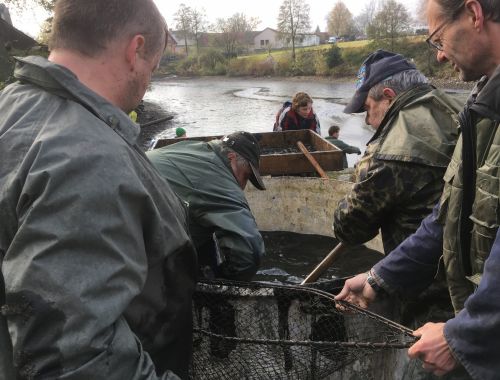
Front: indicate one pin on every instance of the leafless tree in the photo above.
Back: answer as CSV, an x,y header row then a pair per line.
x,y
421,11
365,18
234,32
390,22
293,20
198,25
339,20
183,23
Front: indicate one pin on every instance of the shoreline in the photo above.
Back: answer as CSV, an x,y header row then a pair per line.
x,y
446,83
146,112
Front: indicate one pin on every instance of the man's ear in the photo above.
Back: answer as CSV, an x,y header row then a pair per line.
x,y
475,13
231,156
389,93
135,48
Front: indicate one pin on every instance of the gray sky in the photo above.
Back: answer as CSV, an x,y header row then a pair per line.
x,y
266,10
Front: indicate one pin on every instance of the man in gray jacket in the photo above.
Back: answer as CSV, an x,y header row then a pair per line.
x,y
97,268
210,178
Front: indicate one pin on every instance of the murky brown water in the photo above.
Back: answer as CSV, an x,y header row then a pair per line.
x,y
214,106
218,105
290,257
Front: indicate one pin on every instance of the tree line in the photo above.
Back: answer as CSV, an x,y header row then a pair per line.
x,y
379,20
382,21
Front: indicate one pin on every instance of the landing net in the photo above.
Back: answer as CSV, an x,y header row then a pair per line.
x,y
266,331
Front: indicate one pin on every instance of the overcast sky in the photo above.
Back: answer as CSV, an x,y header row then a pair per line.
x,y
265,10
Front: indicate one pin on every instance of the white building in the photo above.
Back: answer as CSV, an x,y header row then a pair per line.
x,y
268,39
271,39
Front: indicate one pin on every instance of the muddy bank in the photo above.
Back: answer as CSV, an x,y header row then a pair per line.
x,y
148,112
448,83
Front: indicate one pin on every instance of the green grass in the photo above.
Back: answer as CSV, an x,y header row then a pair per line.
x,y
278,53
352,44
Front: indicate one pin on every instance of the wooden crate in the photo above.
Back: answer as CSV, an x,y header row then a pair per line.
x,y
280,155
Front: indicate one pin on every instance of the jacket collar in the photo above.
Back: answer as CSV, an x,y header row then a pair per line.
x,y
487,99
62,82
400,102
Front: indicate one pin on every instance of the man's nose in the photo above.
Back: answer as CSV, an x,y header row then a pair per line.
x,y
441,56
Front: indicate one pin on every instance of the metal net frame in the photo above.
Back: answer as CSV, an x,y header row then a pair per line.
x,y
267,331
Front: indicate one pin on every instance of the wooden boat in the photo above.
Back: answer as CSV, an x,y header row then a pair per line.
x,y
280,155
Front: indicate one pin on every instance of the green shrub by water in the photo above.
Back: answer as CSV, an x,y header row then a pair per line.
x,y
337,61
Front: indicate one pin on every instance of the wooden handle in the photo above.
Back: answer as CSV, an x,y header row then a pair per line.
x,y
325,264
312,160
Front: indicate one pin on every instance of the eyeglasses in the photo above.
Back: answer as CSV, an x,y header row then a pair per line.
x,y
436,44
454,15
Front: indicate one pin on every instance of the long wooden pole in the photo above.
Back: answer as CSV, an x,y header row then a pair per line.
x,y
312,160
325,264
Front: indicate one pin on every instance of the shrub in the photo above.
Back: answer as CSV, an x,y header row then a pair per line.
x,y
305,62
209,59
333,56
284,65
220,68
188,66
262,68
237,67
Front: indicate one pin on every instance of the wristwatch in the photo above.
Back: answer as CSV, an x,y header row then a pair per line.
x,y
371,281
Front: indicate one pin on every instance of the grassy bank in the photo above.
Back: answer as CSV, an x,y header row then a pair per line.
x,y
331,61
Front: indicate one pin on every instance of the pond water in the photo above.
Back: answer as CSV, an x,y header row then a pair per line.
x,y
290,257
213,106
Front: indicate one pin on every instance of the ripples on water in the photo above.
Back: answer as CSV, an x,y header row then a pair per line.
x,y
214,106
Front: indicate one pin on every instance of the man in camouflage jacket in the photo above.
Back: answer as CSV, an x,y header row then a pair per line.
x,y
399,178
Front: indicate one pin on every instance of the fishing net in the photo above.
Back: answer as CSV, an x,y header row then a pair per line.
x,y
267,331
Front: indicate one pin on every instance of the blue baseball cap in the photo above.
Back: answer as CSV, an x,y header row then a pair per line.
x,y
377,66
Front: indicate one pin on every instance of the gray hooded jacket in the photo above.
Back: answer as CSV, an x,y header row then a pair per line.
x,y
97,265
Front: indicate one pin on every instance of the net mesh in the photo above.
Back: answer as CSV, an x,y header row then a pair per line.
x,y
267,331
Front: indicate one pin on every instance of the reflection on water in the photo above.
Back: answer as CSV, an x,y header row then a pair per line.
x,y
213,106
290,257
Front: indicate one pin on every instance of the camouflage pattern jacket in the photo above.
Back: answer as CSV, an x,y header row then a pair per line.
x,y
400,177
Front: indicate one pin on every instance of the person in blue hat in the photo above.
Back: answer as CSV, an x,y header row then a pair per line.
x,y
399,177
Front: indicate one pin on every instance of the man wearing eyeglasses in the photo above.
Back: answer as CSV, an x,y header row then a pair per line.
x,y
463,228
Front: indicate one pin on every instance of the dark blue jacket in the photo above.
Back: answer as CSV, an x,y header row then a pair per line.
x,y
474,334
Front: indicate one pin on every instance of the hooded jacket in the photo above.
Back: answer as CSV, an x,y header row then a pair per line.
x,y
399,178
97,265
